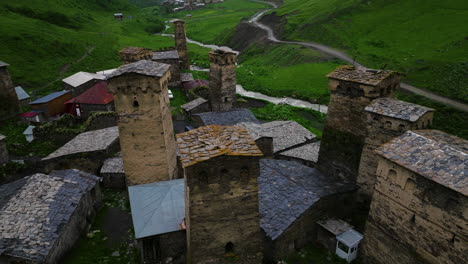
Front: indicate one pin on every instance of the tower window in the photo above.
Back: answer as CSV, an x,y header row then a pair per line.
x,y
401,127
388,124
225,99
229,248
135,102
244,173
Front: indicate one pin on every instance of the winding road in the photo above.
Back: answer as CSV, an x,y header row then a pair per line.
x,y
343,56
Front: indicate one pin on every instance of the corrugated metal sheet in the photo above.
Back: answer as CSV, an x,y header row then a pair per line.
x,y
21,93
97,95
157,208
49,97
350,237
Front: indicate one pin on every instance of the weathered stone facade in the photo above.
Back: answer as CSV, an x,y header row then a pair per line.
x,y
144,118
172,58
222,207
222,85
134,54
419,207
181,43
164,248
3,150
386,118
352,89
9,105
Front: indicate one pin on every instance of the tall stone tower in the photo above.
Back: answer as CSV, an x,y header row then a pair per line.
x,y
222,79
9,105
221,167
181,42
144,119
387,118
352,89
134,54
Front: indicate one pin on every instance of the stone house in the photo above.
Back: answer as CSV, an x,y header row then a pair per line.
x,y
95,99
113,174
53,104
196,106
134,54
172,58
42,216
9,106
4,157
160,239
79,82
418,210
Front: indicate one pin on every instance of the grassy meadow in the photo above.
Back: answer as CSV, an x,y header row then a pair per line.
x,y
425,39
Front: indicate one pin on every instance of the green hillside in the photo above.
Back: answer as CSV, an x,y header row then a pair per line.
x,y
425,39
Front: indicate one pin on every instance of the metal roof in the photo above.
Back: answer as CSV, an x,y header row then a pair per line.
x,y
4,64
29,130
350,238
21,93
49,97
80,78
157,208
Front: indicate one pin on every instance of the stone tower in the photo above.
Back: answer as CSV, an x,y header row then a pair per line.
x,y
144,120
221,167
352,89
134,54
181,42
9,105
387,118
222,80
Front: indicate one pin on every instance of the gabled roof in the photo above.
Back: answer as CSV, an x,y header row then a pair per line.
x,y
157,208
49,97
228,118
165,55
397,109
193,104
433,154
80,78
96,95
21,93
144,67
360,75
307,152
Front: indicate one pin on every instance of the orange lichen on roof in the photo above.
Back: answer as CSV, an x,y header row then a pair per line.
x,y
360,75
208,142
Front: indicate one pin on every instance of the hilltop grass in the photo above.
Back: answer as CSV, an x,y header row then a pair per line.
x,y
425,39
214,23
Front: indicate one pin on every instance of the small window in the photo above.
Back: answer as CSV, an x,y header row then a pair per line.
x,y
392,174
135,102
453,239
229,248
413,219
401,127
343,247
244,172
388,124
226,99
410,185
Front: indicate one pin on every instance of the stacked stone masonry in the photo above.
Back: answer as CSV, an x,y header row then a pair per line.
x,y
134,54
9,105
4,157
181,42
223,81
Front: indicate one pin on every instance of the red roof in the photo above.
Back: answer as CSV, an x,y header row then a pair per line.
x,y
98,95
30,114
194,84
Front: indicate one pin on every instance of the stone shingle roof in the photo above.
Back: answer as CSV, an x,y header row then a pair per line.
x,y
229,118
193,104
285,134
360,75
308,152
145,67
186,77
397,109
433,154
208,142
134,50
113,165
287,190
97,140
32,219
164,55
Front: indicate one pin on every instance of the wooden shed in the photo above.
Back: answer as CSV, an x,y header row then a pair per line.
x,y
52,104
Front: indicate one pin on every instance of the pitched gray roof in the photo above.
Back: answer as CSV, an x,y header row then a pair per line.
x,y
360,75
21,93
97,140
31,220
157,208
285,134
164,55
397,109
287,190
193,104
308,152
113,165
4,64
49,97
227,118
80,78
433,154
186,77
335,226
2,137
145,67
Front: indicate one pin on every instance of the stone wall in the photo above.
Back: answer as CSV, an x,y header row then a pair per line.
x,y
222,210
4,157
414,220
88,109
181,43
164,248
222,85
9,105
145,127
380,130
304,230
175,71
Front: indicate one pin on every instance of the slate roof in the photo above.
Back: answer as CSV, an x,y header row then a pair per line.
x,y
145,67
285,134
397,109
207,142
229,118
80,78
335,226
287,189
307,152
98,94
35,209
134,50
360,75
185,77
157,208
49,97
193,104
165,55
433,154
113,165
97,140
2,137
21,93
4,64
